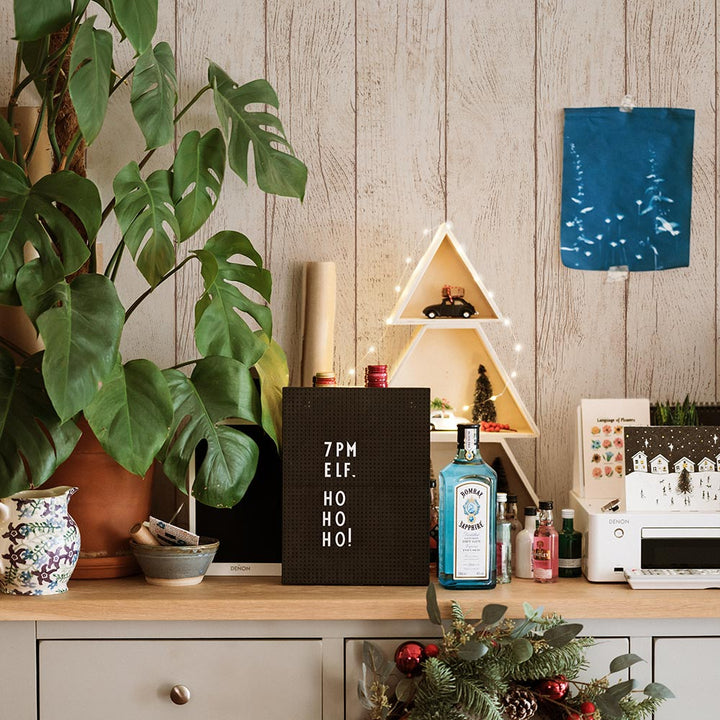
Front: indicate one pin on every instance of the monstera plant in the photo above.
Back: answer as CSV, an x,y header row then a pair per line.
x,y
139,412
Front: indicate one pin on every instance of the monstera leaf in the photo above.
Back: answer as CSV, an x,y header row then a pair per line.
x,y
219,327
90,66
277,171
33,440
219,388
154,94
144,210
34,19
272,370
131,414
81,330
137,19
198,173
30,213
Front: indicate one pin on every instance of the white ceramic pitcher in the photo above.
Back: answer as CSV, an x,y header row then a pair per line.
x,y
39,542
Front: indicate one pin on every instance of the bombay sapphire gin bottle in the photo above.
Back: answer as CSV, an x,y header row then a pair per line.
x,y
466,541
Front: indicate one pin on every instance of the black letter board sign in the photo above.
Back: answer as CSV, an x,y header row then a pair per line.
x,y
356,468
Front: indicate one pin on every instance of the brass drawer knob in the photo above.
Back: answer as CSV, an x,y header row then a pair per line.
x,y
180,695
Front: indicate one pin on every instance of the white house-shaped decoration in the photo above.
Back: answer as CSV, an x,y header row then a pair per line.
x,y
444,263
684,464
640,461
659,465
706,465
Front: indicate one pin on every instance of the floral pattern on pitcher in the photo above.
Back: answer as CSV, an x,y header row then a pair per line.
x,y
39,542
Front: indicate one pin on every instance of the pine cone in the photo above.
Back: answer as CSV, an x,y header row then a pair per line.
x,y
519,704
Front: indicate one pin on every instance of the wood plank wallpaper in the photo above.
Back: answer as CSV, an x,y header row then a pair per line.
x,y
412,112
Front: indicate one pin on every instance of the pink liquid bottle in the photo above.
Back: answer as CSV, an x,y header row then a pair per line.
x,y
545,546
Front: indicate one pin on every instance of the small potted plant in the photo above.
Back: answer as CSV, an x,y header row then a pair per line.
x,y
139,412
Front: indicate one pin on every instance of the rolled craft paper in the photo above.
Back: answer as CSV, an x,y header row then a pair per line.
x,y
318,342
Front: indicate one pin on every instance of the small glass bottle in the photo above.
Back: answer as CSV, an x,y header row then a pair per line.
x,y
545,546
467,497
503,541
522,551
515,524
570,546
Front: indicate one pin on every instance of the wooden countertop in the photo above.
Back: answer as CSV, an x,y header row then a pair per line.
x,y
267,599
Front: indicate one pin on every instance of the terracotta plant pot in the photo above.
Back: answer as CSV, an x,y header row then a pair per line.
x,y
109,501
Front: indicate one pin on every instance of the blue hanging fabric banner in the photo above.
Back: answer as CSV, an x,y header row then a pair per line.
x,y
626,188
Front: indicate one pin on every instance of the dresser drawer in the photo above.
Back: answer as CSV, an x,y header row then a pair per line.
x,y
225,679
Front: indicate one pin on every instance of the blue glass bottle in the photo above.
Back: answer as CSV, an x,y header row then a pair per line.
x,y
468,496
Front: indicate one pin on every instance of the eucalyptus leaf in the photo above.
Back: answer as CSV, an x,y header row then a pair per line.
x,y
198,172
219,388
532,613
405,690
560,635
131,414
277,171
34,19
144,210
90,66
154,95
492,614
363,696
220,328
138,20
433,609
621,662
620,690
81,332
33,440
373,657
521,649
609,707
473,650
272,370
658,691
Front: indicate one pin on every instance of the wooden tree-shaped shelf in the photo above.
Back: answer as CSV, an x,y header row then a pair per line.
x,y
445,353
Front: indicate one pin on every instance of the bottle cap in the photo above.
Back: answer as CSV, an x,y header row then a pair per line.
x,y
546,504
567,513
512,498
502,497
530,510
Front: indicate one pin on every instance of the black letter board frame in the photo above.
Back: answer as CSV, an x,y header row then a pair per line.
x,y
356,469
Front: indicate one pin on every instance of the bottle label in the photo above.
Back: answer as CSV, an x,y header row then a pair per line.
x,y
568,563
472,528
542,558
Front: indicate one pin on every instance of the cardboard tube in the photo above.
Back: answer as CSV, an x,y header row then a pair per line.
x,y
318,343
141,534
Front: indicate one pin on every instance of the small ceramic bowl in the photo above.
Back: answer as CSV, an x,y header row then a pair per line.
x,y
175,564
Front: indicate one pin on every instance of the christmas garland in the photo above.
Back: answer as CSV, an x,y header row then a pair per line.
x,y
499,669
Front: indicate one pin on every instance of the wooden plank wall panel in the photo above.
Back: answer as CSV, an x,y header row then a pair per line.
x,y
491,173
150,331
672,327
213,35
400,159
580,318
311,49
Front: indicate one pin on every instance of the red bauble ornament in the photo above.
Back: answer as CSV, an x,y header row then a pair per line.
x,y
409,657
432,650
573,716
554,688
588,710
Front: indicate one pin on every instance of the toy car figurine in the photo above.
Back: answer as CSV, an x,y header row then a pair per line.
x,y
455,307
446,420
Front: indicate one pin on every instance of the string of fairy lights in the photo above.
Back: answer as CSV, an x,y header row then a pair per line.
x,y
370,355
